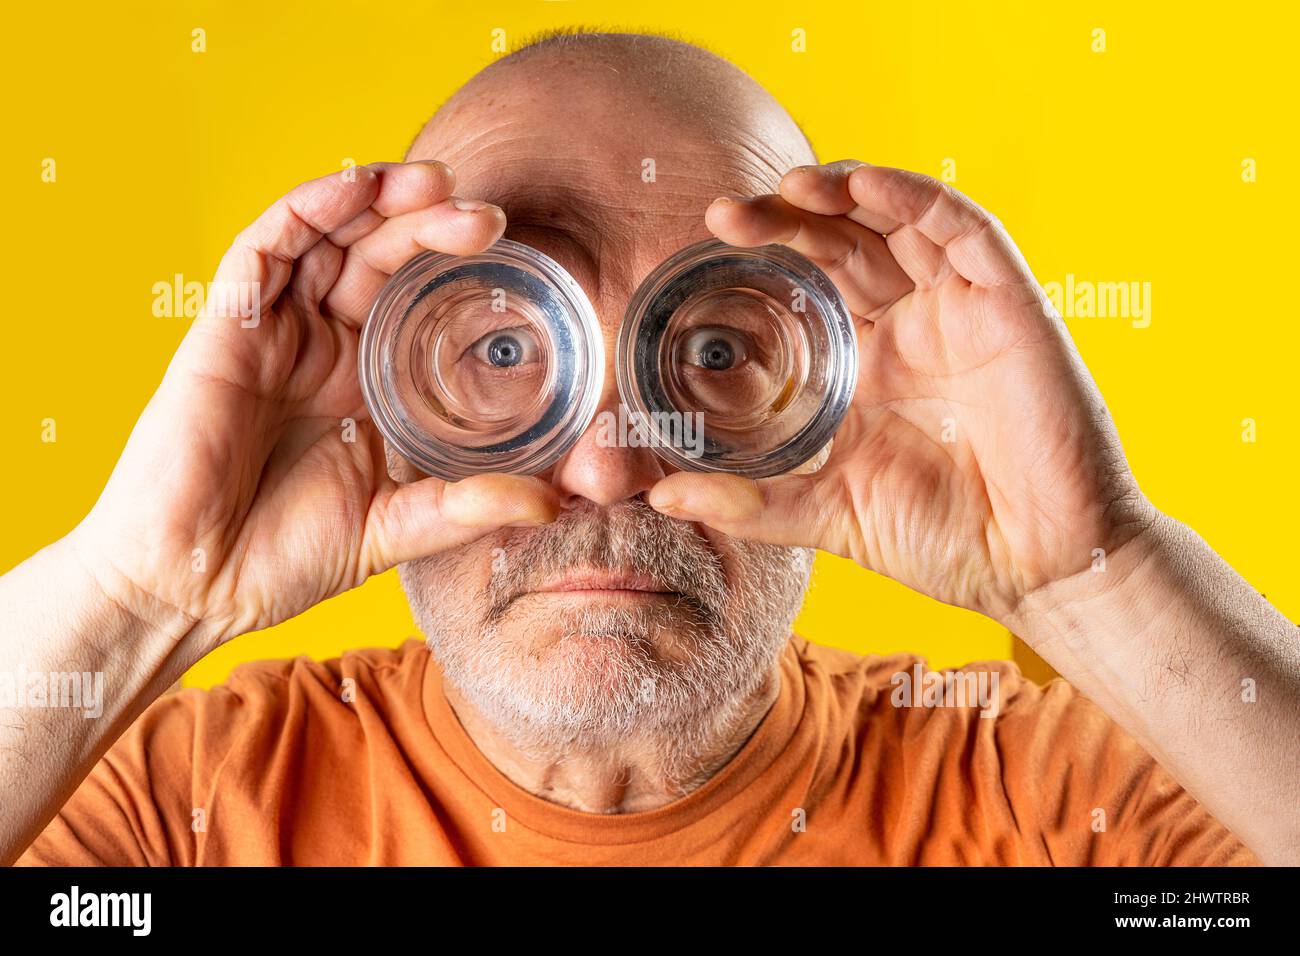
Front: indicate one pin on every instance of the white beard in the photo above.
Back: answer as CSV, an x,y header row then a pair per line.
x,y
675,677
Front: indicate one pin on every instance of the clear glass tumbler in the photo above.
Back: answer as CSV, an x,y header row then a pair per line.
x,y
483,363
737,360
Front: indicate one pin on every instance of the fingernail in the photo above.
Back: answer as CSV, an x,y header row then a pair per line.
x,y
671,507
661,500
724,199
469,205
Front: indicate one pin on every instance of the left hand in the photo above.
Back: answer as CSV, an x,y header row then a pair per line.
x,y
977,461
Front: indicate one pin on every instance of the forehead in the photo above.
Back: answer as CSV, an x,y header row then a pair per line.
x,y
609,188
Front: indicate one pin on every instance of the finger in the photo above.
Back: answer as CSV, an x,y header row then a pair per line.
x,y
821,189
923,260
403,188
414,520
975,243
789,510
406,187
316,272
825,190
456,226
856,259
262,256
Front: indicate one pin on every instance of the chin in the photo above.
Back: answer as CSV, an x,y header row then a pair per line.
x,y
646,634
602,674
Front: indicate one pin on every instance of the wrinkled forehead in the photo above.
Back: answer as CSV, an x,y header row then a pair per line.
x,y
606,182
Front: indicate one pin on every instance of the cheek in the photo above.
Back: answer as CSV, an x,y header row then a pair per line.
x,y
459,576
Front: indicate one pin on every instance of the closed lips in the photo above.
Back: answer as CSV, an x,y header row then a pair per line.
x,y
595,580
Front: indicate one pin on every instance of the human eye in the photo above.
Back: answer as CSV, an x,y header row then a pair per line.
x,y
506,348
714,348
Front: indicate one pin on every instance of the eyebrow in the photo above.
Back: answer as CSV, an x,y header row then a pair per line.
x,y
570,247
557,212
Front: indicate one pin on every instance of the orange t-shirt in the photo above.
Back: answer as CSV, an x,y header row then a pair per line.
x,y
282,765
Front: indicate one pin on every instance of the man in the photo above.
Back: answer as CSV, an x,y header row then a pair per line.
x,y
612,677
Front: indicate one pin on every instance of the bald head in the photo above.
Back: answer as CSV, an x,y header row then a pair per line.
x,y
604,150
604,85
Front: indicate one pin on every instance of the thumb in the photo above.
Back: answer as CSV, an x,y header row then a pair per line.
x,y
788,510
421,518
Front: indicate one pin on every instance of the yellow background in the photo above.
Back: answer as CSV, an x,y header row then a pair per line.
x,y
1123,165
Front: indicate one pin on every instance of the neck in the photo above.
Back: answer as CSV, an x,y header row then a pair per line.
x,y
633,774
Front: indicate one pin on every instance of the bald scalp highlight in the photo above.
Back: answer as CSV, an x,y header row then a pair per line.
x,y
672,71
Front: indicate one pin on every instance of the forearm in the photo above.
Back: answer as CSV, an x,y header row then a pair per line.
x,y
1180,651
79,661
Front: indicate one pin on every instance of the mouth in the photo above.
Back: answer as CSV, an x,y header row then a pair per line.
x,y
594,584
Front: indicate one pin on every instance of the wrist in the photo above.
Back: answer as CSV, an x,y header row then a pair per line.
x,y
142,620
64,616
1115,589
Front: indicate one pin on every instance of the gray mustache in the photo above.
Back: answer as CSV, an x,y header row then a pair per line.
x,y
630,537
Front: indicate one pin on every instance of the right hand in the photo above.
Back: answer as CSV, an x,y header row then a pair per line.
x,y
237,503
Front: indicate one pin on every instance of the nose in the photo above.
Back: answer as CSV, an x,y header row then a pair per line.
x,y
602,467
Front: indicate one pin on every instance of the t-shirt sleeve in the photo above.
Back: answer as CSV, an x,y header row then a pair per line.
x,y
144,802
1078,783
